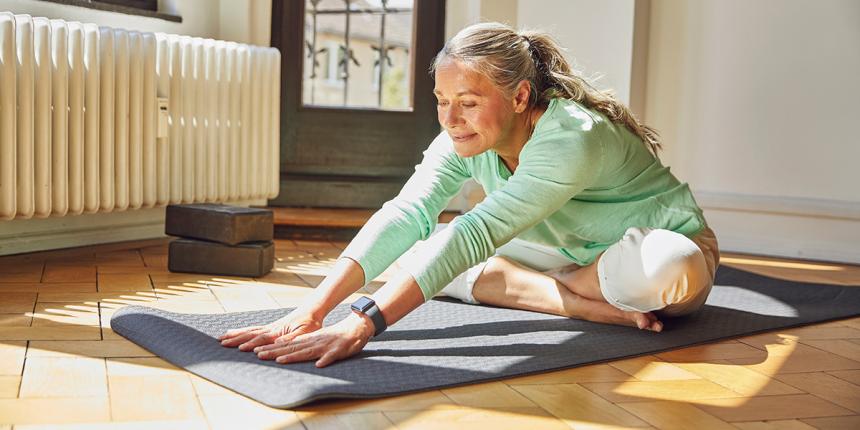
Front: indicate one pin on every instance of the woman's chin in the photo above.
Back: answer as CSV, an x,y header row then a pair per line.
x,y
466,150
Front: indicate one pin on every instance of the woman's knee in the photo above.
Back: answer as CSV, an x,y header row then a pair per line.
x,y
653,269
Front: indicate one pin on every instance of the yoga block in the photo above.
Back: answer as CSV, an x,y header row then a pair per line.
x,y
196,256
229,225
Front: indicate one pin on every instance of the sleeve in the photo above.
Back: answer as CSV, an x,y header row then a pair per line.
x,y
413,214
551,171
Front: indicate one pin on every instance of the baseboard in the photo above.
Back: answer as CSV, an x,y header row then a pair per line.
x,y
28,235
814,229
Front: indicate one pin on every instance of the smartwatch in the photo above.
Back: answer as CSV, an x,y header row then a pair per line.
x,y
368,307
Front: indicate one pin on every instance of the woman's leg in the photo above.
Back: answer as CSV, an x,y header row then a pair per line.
x,y
506,283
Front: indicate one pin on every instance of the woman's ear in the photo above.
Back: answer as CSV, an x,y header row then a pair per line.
x,y
521,96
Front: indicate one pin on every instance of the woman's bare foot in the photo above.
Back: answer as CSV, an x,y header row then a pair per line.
x,y
645,321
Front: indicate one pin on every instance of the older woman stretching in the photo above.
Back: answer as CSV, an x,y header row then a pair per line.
x,y
581,219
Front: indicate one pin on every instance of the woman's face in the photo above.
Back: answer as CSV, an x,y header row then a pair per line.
x,y
472,110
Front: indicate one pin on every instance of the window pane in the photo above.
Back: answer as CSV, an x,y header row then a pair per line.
x,y
343,63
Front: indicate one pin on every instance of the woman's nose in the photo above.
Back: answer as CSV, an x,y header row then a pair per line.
x,y
451,117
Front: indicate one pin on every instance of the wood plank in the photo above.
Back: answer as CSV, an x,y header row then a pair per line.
x,y
650,368
675,416
238,412
578,406
532,418
852,376
55,411
835,423
110,282
739,379
64,377
17,302
487,395
65,314
12,354
36,287
841,347
674,390
773,408
50,333
86,348
153,397
55,272
828,387
9,386
774,425
142,366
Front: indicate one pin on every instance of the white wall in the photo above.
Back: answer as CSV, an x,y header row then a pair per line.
x,y
598,35
757,104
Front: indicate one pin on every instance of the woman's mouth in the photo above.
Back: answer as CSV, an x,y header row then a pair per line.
x,y
463,138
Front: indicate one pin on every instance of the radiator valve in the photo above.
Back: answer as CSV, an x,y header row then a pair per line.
x,y
162,118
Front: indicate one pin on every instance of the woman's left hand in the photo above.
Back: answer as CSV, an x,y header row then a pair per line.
x,y
329,344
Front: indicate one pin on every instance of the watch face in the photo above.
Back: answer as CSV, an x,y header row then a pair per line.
x,y
363,304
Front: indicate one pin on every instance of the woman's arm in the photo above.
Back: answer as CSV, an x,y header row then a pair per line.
x,y
395,299
399,296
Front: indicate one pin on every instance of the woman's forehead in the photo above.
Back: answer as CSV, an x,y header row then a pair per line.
x,y
453,78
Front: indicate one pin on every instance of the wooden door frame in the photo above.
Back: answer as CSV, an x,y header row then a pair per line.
x,y
361,186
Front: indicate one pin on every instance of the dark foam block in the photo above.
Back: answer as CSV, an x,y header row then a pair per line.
x,y
445,343
230,225
197,256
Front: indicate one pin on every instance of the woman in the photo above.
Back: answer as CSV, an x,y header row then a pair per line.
x,y
580,218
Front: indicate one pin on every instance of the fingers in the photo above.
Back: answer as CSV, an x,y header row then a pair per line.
x,y
294,352
237,331
263,338
281,341
239,338
328,358
272,351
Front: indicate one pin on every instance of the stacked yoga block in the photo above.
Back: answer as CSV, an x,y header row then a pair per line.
x,y
220,240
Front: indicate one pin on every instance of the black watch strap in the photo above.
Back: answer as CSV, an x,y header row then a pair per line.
x,y
368,307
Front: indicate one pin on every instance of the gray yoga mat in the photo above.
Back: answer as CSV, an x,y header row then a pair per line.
x,y
445,343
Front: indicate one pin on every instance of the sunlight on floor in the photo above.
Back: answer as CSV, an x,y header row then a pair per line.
x,y
782,264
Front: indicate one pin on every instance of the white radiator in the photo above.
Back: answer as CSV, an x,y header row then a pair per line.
x,y
83,126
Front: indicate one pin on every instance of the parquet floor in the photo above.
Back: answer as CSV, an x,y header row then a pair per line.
x,y
61,366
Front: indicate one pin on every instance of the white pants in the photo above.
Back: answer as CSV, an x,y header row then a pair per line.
x,y
647,270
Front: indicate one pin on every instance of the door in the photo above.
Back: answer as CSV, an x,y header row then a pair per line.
x,y
357,105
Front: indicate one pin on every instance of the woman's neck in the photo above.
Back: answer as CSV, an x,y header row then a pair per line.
x,y
524,125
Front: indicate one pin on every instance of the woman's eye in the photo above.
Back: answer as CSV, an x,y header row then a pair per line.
x,y
441,103
468,105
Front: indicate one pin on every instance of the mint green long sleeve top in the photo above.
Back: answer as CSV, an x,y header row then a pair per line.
x,y
581,181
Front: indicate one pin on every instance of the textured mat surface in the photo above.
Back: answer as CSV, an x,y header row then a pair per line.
x,y
445,343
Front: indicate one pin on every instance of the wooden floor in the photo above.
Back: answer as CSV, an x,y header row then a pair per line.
x,y
60,363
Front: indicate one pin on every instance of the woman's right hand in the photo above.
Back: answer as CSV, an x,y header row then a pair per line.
x,y
296,323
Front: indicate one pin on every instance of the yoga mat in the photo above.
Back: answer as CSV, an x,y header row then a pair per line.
x,y
445,342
